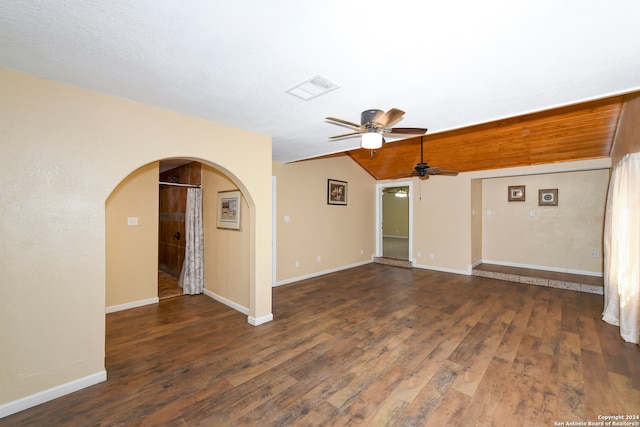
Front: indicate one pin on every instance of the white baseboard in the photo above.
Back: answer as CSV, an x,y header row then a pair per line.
x,y
543,267
444,270
475,264
244,310
36,399
227,302
260,320
133,304
321,273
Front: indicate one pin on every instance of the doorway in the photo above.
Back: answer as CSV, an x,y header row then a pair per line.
x,y
176,175
394,220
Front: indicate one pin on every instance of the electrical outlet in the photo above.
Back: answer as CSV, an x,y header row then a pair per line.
x,y
297,264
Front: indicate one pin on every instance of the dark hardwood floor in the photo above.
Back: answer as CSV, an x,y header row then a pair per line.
x,y
168,286
373,345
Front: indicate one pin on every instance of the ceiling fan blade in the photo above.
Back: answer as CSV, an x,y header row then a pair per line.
x,y
344,122
422,177
391,116
345,135
408,131
440,171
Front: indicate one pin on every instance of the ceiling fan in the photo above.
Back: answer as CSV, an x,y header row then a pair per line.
x,y
373,125
423,170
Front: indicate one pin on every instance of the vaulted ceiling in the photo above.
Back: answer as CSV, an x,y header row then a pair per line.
x,y
449,65
580,132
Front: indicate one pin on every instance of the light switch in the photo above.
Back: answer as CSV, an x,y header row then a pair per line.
x,y
132,220
287,218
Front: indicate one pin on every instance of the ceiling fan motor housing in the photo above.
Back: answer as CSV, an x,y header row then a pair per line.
x,y
370,116
422,168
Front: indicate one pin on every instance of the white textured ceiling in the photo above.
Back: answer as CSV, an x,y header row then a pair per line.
x,y
448,64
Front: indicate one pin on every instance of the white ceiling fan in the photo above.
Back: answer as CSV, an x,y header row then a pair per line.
x,y
374,124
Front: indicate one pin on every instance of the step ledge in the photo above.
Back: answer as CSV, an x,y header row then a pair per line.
x,y
540,281
394,262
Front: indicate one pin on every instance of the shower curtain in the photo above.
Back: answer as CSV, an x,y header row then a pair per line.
x,y
622,249
192,274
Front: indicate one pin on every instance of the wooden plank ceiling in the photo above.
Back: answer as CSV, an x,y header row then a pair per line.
x,y
579,132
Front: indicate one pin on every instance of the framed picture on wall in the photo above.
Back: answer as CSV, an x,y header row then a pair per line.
x,y
516,193
229,209
548,197
336,192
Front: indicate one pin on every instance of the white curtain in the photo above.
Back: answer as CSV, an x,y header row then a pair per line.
x,y
192,274
622,249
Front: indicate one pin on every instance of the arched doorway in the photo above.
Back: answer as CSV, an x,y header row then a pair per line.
x,y
132,242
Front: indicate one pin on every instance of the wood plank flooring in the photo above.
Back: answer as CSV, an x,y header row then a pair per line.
x,y
373,346
168,286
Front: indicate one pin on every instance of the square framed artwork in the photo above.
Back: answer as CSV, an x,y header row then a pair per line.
x,y
336,192
516,193
548,197
229,210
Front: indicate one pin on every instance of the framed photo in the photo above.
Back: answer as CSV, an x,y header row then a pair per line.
x,y
336,192
548,197
229,209
516,193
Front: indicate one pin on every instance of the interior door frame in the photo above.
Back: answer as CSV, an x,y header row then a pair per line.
x,y
274,221
379,233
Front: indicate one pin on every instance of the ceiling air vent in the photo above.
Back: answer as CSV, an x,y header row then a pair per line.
x,y
313,88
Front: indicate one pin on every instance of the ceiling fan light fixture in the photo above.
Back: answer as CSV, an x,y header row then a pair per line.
x,y
371,140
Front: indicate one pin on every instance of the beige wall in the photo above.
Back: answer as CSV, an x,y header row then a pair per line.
x,y
559,237
226,252
627,138
442,223
132,251
337,234
447,235
64,150
395,215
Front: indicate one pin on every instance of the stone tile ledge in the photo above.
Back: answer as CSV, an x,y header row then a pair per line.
x,y
394,262
539,281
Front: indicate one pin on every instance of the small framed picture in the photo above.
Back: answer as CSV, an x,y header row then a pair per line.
x,y
229,210
548,197
516,193
336,192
